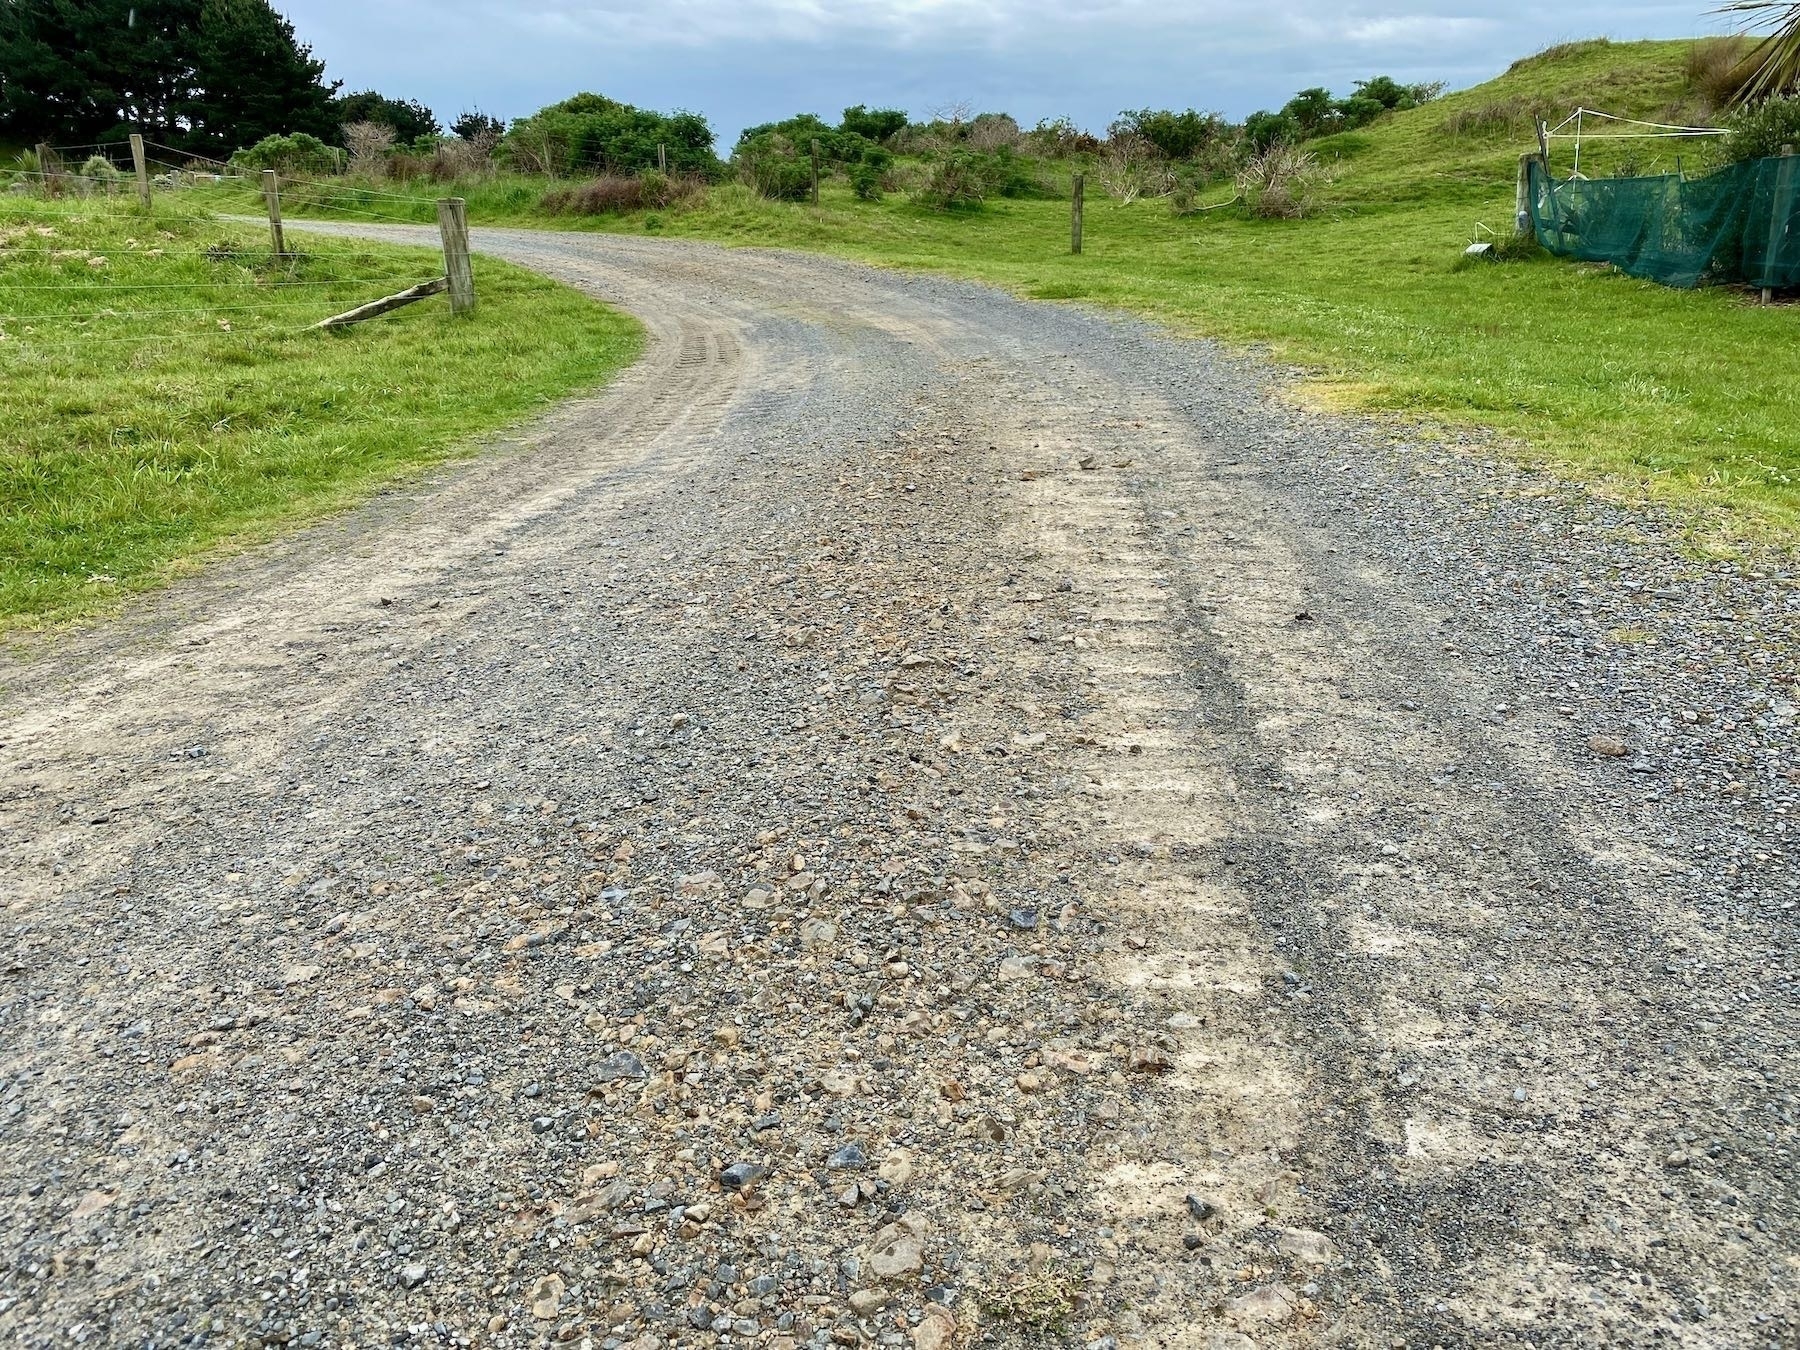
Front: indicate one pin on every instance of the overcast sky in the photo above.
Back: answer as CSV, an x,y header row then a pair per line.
x,y
747,61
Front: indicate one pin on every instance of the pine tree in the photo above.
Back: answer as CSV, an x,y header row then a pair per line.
x,y
252,79
206,76
74,70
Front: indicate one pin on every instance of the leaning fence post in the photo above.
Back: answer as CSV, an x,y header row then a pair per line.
x,y
271,184
140,168
1075,203
48,167
1781,193
453,225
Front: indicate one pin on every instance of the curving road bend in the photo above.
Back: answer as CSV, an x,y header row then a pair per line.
x,y
913,818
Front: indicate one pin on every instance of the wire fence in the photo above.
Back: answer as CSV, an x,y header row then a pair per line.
x,y
61,269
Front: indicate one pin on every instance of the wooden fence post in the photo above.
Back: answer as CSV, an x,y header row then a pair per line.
x,y
662,158
1522,196
271,184
49,166
1075,204
1778,221
815,171
453,224
141,169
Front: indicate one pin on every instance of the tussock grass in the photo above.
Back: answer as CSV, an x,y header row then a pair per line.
x,y
159,395
1718,68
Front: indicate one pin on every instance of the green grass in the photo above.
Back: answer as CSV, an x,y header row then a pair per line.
x,y
1680,396
169,400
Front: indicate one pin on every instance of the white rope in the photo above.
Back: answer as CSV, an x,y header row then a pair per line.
x,y
1633,135
1661,126
1659,131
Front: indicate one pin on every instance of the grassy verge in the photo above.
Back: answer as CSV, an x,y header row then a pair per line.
x,y
160,394
1681,396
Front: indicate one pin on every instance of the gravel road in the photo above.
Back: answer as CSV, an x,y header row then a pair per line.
x,y
913,819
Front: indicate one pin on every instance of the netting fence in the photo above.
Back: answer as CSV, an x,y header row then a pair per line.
x,y
1739,224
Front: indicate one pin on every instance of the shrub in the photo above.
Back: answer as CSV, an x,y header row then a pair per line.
x,y
993,131
959,177
772,164
594,132
1123,170
298,154
1265,129
451,160
1174,135
954,180
1281,182
1762,130
868,175
99,171
663,190
368,144
873,124
836,146
1058,138
1184,196
608,195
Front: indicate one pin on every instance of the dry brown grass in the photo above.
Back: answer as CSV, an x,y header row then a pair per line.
x,y
1282,183
611,194
1718,68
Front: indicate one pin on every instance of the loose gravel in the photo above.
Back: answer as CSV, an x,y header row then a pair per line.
x,y
914,819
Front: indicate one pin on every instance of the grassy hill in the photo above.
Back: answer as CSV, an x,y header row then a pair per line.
x,y
1634,388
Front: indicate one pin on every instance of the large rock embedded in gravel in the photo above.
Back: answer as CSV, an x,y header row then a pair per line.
x,y
898,1250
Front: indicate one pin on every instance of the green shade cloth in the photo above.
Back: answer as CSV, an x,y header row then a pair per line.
x,y
1739,225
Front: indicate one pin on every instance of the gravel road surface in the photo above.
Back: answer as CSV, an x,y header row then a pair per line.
x,y
913,819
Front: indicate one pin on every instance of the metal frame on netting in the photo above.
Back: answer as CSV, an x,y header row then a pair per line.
x,y
1656,131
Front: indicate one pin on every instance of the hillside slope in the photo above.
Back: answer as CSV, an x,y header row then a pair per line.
x,y
1464,148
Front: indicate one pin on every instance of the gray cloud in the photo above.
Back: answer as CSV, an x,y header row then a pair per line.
x,y
744,61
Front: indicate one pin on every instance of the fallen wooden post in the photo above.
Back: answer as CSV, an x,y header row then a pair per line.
x,y
375,308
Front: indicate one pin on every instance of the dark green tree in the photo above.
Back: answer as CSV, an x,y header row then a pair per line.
x,y
1314,112
474,124
409,118
76,70
252,79
873,124
201,75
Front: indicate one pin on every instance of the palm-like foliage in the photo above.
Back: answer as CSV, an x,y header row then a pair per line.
x,y
1774,62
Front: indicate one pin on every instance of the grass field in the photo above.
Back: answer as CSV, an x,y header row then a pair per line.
x,y
1637,389
160,395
